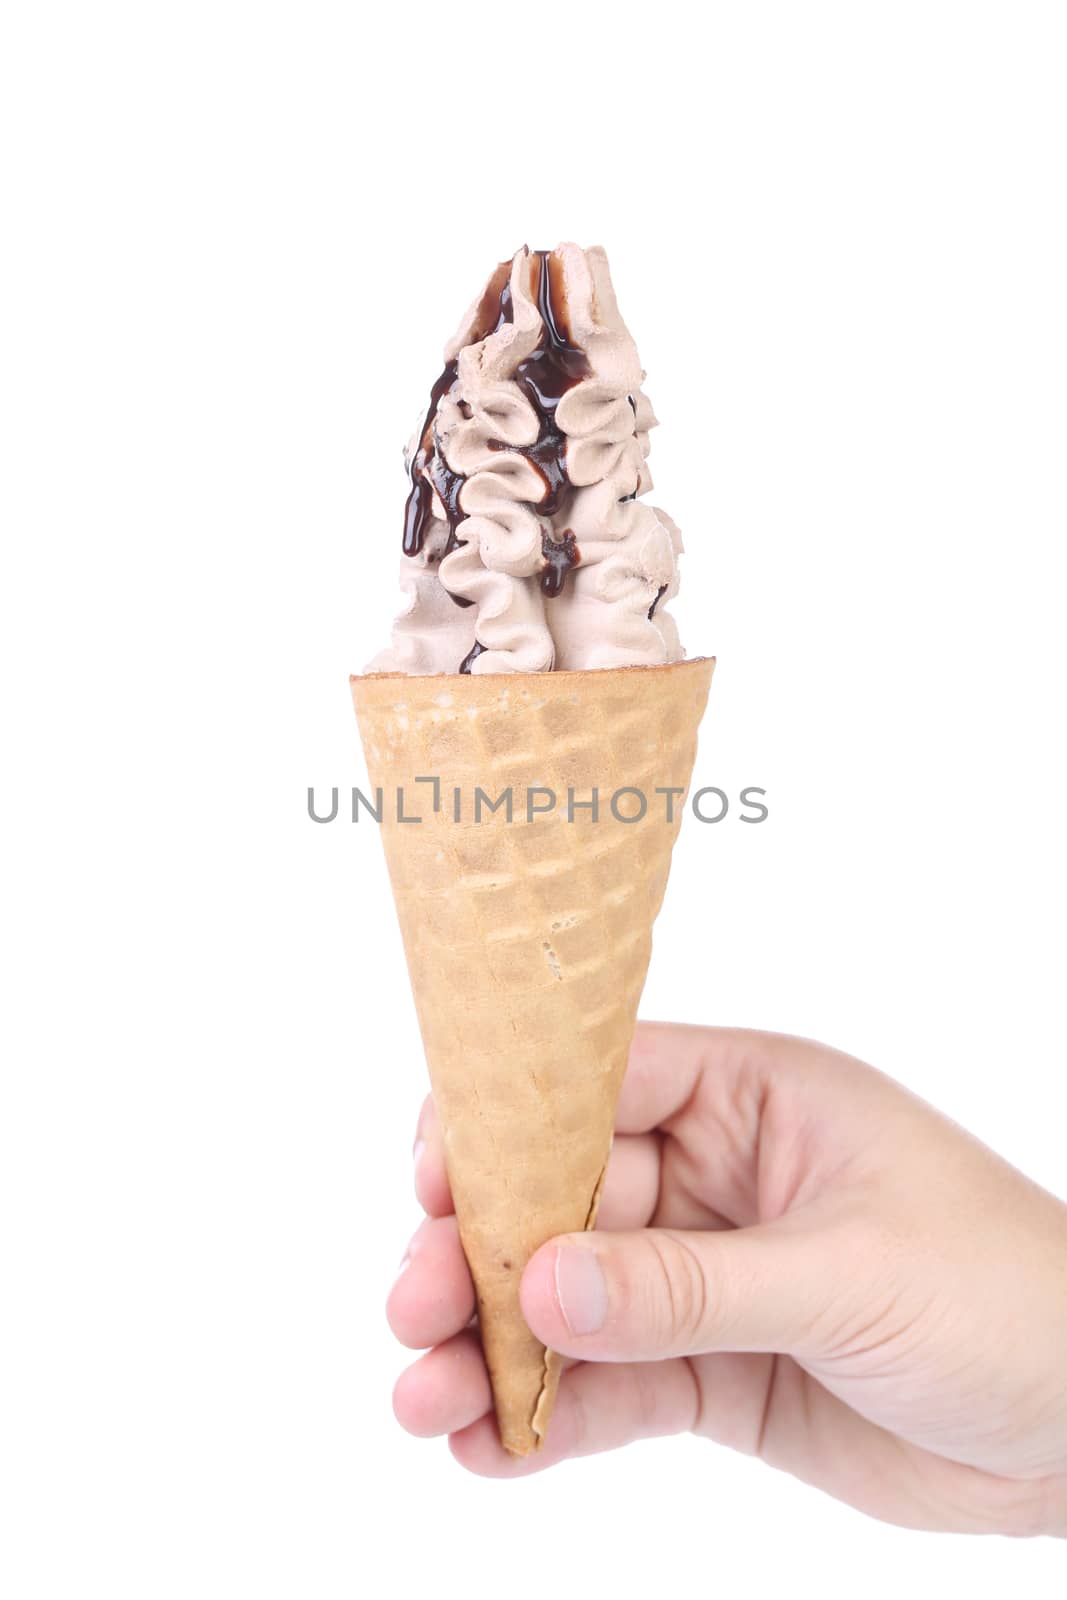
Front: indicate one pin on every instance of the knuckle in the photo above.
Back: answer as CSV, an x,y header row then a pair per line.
x,y
678,1291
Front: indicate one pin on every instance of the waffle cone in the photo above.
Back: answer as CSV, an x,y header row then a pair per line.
x,y
527,943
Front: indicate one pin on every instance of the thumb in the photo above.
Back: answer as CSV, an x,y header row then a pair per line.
x,y
667,1292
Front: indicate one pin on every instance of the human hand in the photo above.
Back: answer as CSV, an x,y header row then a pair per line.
x,y
797,1258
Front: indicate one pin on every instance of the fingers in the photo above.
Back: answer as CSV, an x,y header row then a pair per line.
x,y
659,1293
797,1426
772,1409
667,1062
428,1155
445,1391
671,1067
670,1062
630,1187
631,1184
598,1408
433,1298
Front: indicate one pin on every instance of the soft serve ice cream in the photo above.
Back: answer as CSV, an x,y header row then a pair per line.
x,y
527,547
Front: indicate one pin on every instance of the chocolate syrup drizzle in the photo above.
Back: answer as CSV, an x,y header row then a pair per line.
x,y
626,498
419,507
428,469
545,376
560,555
472,654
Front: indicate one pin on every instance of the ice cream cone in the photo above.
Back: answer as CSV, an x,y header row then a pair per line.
x,y
527,942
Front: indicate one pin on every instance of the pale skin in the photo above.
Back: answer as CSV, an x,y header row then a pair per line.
x,y
797,1258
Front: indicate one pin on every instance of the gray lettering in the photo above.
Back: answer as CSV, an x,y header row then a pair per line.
x,y
436,790
592,805
755,804
535,811
503,799
400,817
311,807
359,798
617,814
670,793
696,805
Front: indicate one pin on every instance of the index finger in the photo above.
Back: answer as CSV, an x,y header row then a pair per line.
x,y
671,1061
735,1072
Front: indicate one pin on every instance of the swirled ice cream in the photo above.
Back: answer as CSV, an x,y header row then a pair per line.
x,y
527,546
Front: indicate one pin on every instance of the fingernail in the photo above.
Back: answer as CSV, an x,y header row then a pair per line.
x,y
416,1154
581,1289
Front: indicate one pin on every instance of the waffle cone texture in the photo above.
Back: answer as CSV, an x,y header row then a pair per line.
x,y
527,944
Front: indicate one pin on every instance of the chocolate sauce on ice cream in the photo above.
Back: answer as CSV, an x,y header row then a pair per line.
x,y
563,564
560,556
545,376
419,508
659,596
472,655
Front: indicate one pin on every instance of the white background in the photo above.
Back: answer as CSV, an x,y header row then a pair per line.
x,y
237,236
